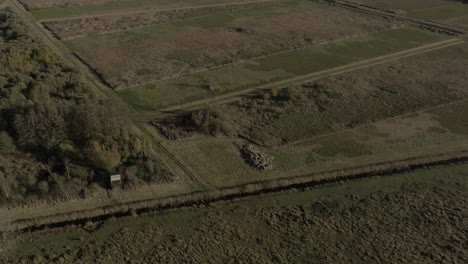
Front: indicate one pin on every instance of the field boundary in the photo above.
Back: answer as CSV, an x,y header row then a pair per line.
x,y
231,193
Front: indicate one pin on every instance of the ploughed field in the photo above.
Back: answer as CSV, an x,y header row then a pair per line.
x,y
417,217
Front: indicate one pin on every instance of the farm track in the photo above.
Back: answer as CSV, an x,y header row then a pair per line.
x,y
238,192
237,95
136,12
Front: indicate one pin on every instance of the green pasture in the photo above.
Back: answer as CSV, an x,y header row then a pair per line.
x,y
154,96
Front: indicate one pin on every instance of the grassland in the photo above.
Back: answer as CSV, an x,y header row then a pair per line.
x,y
167,50
456,14
90,25
61,10
452,12
333,224
404,5
341,121
274,68
389,112
217,161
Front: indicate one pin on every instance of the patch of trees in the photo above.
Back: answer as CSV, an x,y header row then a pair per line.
x,y
56,135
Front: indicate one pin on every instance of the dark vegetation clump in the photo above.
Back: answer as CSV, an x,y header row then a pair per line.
x,y
255,158
210,121
57,136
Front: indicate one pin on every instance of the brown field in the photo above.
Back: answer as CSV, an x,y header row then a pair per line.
x,y
142,55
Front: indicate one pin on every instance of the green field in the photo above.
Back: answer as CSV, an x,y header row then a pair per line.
x,y
275,68
117,6
329,224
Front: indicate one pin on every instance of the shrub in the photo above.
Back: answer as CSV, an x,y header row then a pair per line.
x,y
212,121
7,144
43,187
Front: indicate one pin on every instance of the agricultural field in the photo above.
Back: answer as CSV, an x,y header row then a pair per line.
x,y
274,68
452,12
70,28
46,9
171,49
404,5
456,14
196,122
419,217
336,122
